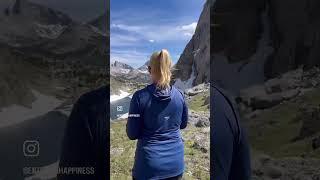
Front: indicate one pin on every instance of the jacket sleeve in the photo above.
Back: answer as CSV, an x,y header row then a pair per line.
x,y
230,152
134,123
184,120
241,167
77,150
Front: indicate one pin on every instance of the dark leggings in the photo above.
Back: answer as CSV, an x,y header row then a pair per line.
x,y
179,177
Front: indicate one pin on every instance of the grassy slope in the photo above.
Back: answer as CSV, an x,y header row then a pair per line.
x,y
122,154
274,129
117,85
197,103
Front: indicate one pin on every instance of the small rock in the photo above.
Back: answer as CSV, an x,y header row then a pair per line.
x,y
207,100
202,142
310,116
290,94
203,117
203,122
316,143
273,172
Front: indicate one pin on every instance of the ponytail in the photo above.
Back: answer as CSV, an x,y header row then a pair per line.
x,y
161,63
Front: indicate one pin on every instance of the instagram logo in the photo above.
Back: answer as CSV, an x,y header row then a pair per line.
x,y
31,148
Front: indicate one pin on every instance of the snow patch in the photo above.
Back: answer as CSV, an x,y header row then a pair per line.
x,y
143,71
196,52
119,71
15,114
122,95
51,31
238,73
124,116
183,85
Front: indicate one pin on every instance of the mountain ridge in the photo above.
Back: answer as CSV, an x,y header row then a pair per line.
x,y
195,59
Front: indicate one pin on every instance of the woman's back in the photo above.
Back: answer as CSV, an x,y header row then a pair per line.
x,y
155,119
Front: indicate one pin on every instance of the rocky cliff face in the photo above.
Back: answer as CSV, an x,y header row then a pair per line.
x,y
262,39
266,52
195,59
40,47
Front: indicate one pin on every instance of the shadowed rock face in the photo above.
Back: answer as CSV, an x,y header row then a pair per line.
x,y
196,55
293,31
236,27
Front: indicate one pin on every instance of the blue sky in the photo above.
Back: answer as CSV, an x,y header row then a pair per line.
x,y
140,27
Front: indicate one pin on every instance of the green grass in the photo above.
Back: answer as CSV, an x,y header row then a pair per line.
x,y
197,102
197,162
121,163
273,131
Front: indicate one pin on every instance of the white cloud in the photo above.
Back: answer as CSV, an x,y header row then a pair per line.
x,y
117,40
156,33
126,27
189,29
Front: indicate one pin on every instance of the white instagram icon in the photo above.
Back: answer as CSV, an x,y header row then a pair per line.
x,y
31,148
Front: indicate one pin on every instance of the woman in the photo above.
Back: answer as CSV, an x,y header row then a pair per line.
x,y
156,115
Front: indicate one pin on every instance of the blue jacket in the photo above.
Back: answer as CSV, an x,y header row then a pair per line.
x,y
230,156
155,119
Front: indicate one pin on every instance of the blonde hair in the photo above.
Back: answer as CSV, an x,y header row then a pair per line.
x,y
160,63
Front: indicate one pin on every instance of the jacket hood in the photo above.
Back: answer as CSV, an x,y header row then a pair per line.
x,y
160,94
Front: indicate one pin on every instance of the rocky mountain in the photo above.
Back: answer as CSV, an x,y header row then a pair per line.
x,y
262,39
127,72
45,32
144,68
120,68
46,49
124,77
192,66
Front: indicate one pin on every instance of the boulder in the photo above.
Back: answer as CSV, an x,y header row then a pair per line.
x,y
266,101
288,81
273,171
199,119
310,117
197,89
257,97
203,122
287,95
